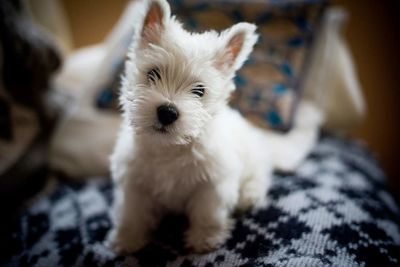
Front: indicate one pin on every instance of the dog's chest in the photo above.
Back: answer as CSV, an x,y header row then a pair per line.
x,y
173,176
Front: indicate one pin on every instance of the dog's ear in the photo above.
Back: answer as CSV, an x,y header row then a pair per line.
x,y
238,42
158,13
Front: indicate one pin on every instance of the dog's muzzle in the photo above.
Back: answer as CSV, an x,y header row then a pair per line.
x,y
167,114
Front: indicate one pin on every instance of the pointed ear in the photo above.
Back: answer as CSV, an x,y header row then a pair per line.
x,y
238,42
158,13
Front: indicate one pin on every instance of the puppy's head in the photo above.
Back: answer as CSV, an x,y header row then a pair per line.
x,y
177,81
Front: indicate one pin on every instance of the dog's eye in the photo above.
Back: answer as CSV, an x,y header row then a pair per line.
x,y
154,74
198,90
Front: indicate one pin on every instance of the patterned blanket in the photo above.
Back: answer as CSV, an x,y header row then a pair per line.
x,y
335,211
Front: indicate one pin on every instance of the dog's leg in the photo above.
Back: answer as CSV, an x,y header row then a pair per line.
x,y
253,190
209,215
135,217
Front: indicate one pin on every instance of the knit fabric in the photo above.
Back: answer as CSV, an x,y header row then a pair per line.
x,y
335,211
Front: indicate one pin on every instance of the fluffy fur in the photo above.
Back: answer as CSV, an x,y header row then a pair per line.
x,y
210,161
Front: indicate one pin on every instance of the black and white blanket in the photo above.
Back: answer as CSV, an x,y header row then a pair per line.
x,y
335,211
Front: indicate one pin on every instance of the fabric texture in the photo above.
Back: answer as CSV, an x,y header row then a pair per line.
x,y
334,211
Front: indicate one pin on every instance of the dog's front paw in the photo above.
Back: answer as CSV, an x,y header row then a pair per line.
x,y
124,243
204,239
251,199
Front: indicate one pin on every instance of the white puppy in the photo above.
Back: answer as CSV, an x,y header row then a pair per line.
x,y
181,148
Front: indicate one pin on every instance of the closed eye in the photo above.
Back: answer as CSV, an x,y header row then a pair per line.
x,y
154,74
198,90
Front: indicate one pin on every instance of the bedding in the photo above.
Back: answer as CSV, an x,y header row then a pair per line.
x,y
334,211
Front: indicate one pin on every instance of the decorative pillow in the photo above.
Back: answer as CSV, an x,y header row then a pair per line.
x,y
269,84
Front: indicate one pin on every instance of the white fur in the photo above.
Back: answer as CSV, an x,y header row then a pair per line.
x,y
210,161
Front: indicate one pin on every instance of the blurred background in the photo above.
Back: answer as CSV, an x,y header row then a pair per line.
x,y
373,34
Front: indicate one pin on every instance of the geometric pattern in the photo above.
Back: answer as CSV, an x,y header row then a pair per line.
x,y
334,211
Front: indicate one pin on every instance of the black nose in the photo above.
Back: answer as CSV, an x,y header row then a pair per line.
x,y
167,114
